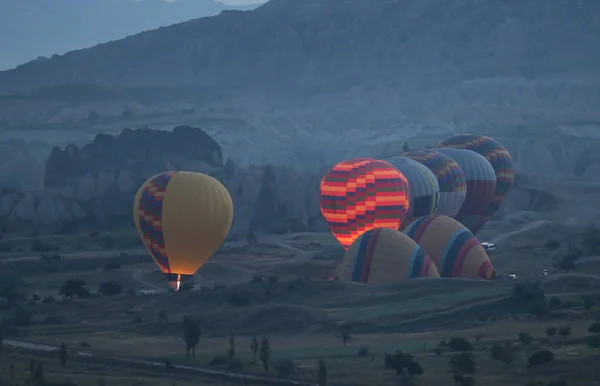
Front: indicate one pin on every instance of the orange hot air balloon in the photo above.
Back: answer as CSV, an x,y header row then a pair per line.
x,y
362,194
182,218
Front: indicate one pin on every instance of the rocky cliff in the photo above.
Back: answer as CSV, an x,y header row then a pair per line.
x,y
93,187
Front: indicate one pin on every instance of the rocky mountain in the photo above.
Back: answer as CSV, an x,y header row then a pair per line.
x,y
31,29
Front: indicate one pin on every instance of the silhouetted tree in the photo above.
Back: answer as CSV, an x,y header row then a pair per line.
x,y
74,289
345,333
540,357
525,338
191,335
231,350
594,328
405,147
254,347
551,331
460,344
322,373
403,363
62,353
564,331
265,353
462,365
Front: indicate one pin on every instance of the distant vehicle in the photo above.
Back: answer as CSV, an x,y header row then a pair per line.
x,y
148,292
489,247
545,272
512,276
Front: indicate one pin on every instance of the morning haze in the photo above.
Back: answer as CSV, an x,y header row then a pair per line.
x,y
299,192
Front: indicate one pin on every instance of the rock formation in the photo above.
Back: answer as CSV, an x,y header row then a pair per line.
x,y
94,186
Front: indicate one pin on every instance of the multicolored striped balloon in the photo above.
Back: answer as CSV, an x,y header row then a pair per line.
x,y
452,247
450,177
385,256
362,194
481,184
501,162
423,186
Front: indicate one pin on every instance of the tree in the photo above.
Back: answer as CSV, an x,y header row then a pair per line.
x,y
191,335
551,331
504,353
74,289
461,365
110,288
564,331
460,344
322,373
594,328
231,350
254,348
525,338
567,263
405,147
403,363
62,353
265,353
36,373
345,333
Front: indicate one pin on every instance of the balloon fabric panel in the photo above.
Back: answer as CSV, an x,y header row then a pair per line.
x,y
362,194
150,219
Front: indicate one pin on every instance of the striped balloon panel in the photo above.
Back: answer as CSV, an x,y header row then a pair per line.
x,y
363,194
423,187
451,179
500,160
150,218
454,249
385,256
481,184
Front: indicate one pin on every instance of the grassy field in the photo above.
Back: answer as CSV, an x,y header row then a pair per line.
x,y
296,310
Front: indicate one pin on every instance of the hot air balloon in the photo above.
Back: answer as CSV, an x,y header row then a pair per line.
x,y
182,218
424,189
481,184
452,247
450,177
361,194
501,162
384,256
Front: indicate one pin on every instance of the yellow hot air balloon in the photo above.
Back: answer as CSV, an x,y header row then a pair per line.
x,y
182,218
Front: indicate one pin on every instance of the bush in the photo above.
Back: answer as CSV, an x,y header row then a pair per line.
x,y
528,292
363,352
460,344
284,368
540,357
594,328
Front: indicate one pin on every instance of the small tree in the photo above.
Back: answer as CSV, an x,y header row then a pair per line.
x,y
564,331
551,331
462,365
594,328
525,338
265,353
345,333
191,335
504,353
62,353
74,289
110,288
405,147
254,347
567,263
231,350
460,344
322,373
403,363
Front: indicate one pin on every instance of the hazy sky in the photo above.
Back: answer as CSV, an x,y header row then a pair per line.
x,y
34,28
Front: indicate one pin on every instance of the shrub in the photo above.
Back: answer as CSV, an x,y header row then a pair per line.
x,y
460,344
363,352
540,357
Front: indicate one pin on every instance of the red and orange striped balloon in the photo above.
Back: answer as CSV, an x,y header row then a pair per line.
x,y
362,194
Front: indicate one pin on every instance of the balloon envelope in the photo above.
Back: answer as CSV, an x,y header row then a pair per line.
x,y
481,184
361,194
182,218
450,177
423,187
385,256
452,247
501,162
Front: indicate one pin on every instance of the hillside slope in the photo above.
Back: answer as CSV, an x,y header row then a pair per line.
x,y
339,43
